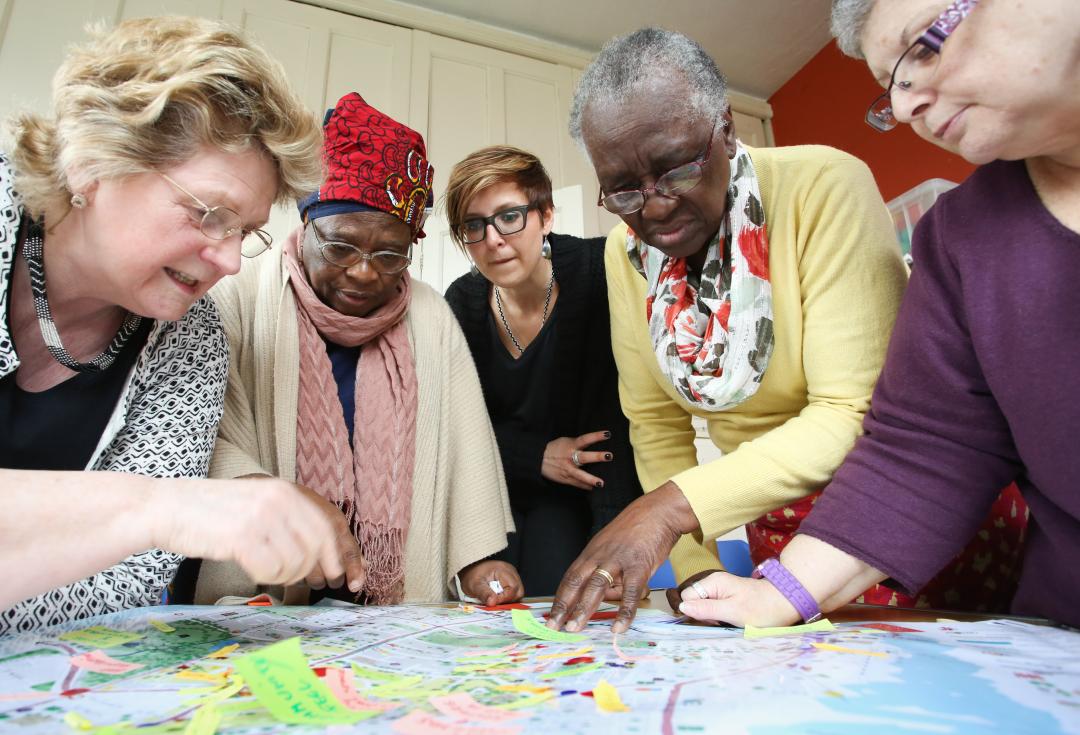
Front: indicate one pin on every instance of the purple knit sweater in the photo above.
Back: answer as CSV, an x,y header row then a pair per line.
x,y
981,386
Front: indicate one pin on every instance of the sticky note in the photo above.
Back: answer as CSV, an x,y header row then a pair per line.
x,y
530,701
219,678
607,698
841,649
98,636
162,626
205,721
821,626
422,723
343,685
528,624
77,721
102,663
236,683
531,688
388,676
571,654
462,706
572,670
280,678
223,652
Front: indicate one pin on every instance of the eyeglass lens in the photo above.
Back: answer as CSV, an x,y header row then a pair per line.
x,y
506,222
346,255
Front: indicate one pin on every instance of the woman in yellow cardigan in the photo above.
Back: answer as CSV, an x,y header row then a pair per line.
x,y
754,288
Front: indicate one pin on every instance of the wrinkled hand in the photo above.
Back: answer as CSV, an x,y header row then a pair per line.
x,y
278,532
476,578
630,549
558,463
736,600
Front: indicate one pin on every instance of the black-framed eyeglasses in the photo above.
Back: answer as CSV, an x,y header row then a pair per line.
x,y
674,183
221,223
505,222
346,255
917,64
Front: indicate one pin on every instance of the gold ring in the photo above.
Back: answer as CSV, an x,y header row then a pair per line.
x,y
606,575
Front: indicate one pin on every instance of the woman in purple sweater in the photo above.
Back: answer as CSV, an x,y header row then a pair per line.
x,y
982,381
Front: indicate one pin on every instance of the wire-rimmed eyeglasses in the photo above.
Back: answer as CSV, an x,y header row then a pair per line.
x,y
917,64
346,255
221,223
675,182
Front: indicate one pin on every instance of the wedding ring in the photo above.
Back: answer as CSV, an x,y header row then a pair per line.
x,y
606,575
575,459
700,590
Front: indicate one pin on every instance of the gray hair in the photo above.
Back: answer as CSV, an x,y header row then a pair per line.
x,y
848,19
634,62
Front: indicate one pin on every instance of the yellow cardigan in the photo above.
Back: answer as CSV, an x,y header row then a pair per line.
x,y
837,279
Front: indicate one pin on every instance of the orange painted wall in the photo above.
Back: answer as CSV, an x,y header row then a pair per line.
x,y
825,103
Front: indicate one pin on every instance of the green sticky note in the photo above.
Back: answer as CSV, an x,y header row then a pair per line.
x,y
388,676
282,681
98,636
572,670
821,626
528,624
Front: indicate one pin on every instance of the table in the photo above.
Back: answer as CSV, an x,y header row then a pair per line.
x,y
467,671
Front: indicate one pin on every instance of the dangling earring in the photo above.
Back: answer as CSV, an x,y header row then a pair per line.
x,y
78,200
545,249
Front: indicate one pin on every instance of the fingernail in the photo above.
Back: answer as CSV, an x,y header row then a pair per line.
x,y
599,483
607,434
619,627
354,586
572,626
607,456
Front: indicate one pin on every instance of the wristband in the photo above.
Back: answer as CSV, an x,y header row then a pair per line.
x,y
792,590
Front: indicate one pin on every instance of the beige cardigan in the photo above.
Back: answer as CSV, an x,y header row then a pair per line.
x,y
460,510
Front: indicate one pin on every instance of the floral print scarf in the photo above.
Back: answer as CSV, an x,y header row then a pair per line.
x,y
713,342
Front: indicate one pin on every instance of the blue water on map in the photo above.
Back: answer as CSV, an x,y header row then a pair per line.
x,y
934,692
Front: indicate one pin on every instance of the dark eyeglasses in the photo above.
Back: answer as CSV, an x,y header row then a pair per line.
x,y
506,222
918,63
346,255
221,223
675,182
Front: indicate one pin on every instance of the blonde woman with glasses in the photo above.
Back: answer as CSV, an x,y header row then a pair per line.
x,y
168,142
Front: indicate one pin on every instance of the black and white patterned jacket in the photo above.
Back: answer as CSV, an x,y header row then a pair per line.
x,y
164,425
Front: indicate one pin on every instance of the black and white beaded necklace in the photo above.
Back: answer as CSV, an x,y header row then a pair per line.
x,y
34,252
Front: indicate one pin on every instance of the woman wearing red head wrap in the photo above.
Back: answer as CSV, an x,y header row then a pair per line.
x,y
325,388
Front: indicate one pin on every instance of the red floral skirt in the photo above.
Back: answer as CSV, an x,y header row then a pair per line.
x,y
981,578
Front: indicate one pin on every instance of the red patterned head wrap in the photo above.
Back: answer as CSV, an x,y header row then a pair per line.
x,y
373,162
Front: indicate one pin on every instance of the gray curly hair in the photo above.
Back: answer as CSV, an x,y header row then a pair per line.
x,y
848,19
639,60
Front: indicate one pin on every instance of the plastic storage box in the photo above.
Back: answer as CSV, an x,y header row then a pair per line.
x,y
910,206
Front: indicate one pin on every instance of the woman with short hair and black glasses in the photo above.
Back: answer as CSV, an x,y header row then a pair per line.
x,y
535,314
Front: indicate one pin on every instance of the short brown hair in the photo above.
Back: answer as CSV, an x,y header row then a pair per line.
x,y
496,164
147,95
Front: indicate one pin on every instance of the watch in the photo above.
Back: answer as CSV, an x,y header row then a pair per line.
x,y
792,590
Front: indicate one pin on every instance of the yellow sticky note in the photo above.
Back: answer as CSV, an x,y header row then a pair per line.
x,y
528,624
841,649
205,721
98,636
217,678
281,679
220,694
531,688
224,651
821,626
607,698
162,626
77,721
571,654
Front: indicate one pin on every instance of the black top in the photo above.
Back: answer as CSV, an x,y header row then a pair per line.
x,y
581,394
526,382
59,428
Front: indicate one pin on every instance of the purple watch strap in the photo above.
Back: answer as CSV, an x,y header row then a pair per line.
x,y
790,588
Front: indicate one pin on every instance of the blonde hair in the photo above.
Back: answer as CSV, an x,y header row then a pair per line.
x,y
482,169
147,95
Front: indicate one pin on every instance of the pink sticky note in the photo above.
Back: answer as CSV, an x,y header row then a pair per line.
x,y
422,723
340,682
102,663
462,706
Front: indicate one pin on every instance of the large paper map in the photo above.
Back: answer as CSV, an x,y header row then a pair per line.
x,y
465,671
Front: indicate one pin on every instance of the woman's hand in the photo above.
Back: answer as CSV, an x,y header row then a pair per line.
x,y
476,582
558,463
629,549
278,532
736,600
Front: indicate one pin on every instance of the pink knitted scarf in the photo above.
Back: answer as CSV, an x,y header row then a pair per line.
x,y
372,482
